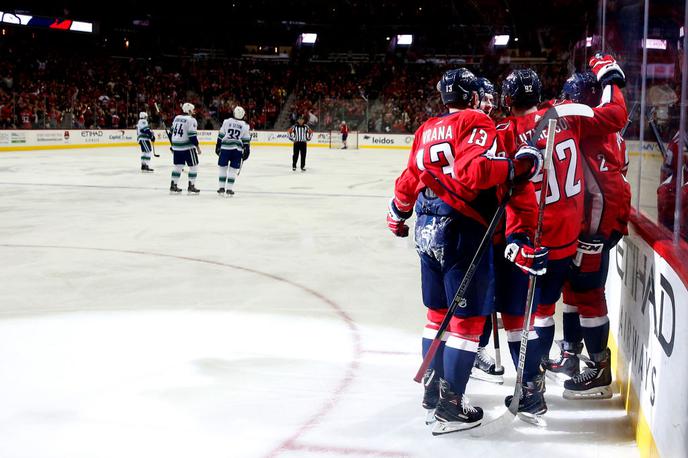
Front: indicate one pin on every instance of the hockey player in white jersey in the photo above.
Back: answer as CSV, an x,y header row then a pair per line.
x,y
145,137
233,147
185,148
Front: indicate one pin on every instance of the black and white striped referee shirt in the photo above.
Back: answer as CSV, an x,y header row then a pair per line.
x,y
300,133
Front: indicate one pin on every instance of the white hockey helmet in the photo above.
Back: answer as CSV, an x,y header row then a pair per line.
x,y
143,115
188,108
239,112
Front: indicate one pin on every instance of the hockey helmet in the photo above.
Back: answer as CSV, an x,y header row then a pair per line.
x,y
457,86
143,115
188,108
239,112
521,89
584,88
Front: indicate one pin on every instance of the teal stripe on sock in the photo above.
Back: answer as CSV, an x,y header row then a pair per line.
x,y
193,175
230,180
176,175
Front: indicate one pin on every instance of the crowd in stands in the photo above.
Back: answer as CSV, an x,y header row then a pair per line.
x,y
62,92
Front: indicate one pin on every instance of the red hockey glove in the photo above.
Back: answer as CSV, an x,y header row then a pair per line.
x,y
589,255
396,218
606,69
519,250
527,164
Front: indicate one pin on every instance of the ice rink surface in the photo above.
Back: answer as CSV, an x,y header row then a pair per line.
x,y
284,321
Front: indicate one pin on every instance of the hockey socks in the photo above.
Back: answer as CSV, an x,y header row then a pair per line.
x,y
222,177
595,334
177,173
231,177
193,173
487,332
459,356
531,367
544,326
572,326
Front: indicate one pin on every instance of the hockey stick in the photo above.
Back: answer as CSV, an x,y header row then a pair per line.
x,y
465,282
512,411
495,338
154,153
164,126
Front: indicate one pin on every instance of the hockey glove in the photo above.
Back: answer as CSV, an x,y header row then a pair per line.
x,y
246,153
589,255
527,164
396,218
520,251
606,69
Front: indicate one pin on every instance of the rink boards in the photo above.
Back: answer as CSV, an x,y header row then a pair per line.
x,y
31,140
648,310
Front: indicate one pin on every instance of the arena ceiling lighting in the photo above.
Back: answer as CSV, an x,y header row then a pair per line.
x,y
404,40
309,38
655,43
501,40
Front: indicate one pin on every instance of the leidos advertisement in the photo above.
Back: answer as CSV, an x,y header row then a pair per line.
x,y
648,309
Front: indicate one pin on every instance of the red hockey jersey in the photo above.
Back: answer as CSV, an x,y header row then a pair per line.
x,y
456,157
564,206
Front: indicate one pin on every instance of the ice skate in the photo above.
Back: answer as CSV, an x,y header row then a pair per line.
x,y
567,365
221,191
594,382
192,189
531,405
485,368
146,168
431,396
230,193
174,188
454,412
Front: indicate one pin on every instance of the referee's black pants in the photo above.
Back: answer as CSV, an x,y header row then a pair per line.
x,y
299,149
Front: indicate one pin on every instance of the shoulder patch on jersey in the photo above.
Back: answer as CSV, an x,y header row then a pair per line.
x,y
503,126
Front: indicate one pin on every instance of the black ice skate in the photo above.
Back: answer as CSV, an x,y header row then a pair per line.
x,y
230,192
531,404
431,383
221,191
192,189
454,412
293,169
174,187
146,168
485,368
567,365
303,169
594,382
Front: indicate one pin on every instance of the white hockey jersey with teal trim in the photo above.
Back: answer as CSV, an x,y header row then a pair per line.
x,y
143,131
184,133
234,134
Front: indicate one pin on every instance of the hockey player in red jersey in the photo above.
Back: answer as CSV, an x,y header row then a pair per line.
x,y
455,178
607,207
563,216
485,367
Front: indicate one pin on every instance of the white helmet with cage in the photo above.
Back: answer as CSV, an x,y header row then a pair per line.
x,y
239,113
143,115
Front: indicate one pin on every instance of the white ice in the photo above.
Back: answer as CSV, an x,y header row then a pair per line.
x,y
282,322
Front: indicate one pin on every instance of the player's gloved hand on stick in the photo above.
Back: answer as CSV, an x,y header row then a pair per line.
x,y
607,70
520,251
589,255
396,218
527,163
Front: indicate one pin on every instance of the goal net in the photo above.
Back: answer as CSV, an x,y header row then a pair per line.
x,y
337,143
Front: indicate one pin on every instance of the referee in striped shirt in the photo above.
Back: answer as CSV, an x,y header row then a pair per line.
x,y
300,134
